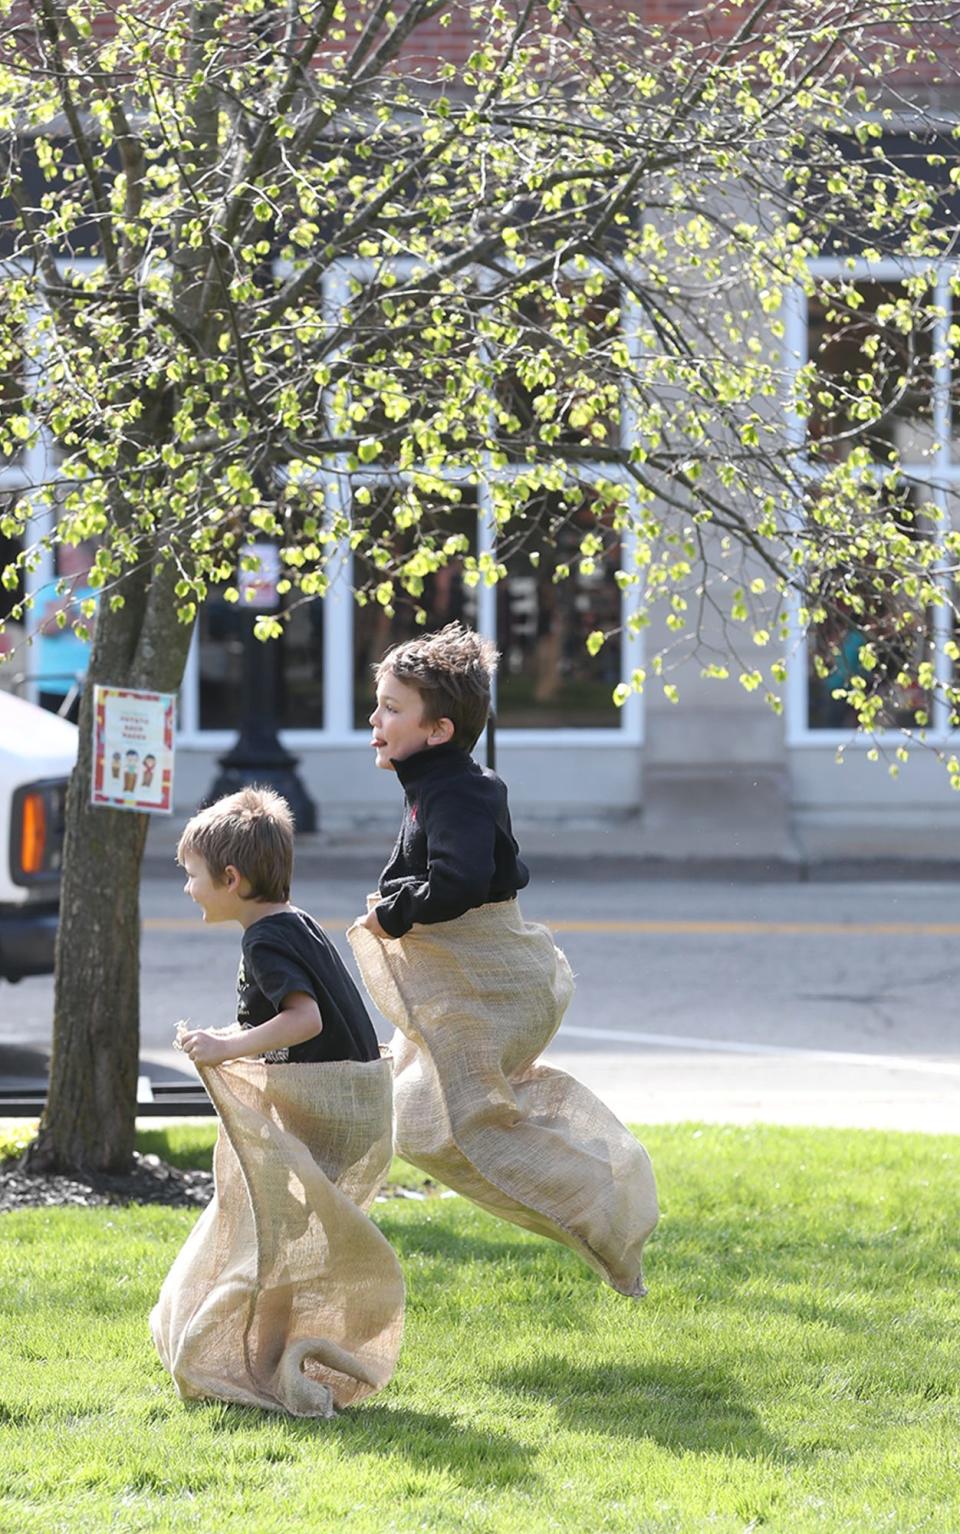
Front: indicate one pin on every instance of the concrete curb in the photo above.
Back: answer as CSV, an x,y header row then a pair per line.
x,y
338,863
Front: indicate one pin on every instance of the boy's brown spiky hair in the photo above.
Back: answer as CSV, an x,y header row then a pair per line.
x,y
251,831
453,672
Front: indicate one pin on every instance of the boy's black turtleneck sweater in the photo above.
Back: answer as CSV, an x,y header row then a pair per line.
x,y
456,848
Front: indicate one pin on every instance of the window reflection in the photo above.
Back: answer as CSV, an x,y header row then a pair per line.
x,y
838,643
868,611
294,664
550,395
547,677
389,385
445,598
859,335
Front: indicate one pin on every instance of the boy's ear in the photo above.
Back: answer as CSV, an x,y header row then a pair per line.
x,y
441,732
232,878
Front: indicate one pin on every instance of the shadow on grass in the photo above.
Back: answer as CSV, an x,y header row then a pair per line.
x,y
682,1409
434,1442
427,1440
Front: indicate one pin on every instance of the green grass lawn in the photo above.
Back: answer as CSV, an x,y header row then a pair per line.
x,y
796,1366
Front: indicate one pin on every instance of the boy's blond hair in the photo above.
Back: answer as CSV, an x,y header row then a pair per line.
x,y
453,672
251,831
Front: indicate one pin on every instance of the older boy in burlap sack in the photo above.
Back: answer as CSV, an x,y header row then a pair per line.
x,y
285,1295
475,992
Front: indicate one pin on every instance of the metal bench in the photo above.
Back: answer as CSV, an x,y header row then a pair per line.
x,y
155,1099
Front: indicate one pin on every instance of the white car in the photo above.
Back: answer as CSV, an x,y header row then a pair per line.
x,y
37,753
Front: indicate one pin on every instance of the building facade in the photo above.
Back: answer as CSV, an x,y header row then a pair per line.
x,y
569,751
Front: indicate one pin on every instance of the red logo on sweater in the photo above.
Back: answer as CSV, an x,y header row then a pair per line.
x,y
413,812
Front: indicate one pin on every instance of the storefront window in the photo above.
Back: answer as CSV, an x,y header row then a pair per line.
x,y
876,636
294,664
445,598
550,395
388,384
547,676
880,356
539,616
836,662
865,331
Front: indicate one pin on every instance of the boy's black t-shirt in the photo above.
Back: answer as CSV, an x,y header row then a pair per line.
x,y
290,952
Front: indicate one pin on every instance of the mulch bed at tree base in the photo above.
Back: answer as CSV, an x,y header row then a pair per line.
x,y
151,1181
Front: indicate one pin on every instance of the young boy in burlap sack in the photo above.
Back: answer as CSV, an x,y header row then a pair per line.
x,y
285,1295
477,993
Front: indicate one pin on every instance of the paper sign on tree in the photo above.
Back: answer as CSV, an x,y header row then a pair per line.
x,y
133,749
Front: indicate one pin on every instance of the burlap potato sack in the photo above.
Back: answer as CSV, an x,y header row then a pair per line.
x,y
475,1001
285,1294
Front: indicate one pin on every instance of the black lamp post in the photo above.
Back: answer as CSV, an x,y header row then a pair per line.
x,y
257,756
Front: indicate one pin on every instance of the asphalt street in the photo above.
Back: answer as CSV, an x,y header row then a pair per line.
x,y
726,1002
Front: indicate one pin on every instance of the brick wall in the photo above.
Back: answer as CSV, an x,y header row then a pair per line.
x,y
717,22
434,42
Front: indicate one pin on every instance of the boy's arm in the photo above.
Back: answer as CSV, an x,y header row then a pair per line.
x,y
298,1020
461,835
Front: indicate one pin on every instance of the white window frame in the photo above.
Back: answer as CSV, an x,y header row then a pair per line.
x,y
339,607
939,475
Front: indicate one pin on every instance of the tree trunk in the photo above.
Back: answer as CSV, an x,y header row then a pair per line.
x,y
88,1122
89,1119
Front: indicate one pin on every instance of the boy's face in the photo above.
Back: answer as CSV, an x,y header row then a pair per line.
x,y
218,902
399,728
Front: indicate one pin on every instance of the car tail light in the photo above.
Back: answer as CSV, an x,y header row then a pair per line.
x,y
37,820
33,833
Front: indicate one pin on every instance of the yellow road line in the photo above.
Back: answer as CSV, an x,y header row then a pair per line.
x,y
653,928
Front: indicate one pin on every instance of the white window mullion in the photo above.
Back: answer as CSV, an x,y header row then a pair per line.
x,y
632,715
943,613
796,350
36,466
338,608
486,595
633,649
338,604
190,687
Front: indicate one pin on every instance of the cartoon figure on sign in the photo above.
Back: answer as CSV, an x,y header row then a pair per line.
x,y
115,766
149,767
130,771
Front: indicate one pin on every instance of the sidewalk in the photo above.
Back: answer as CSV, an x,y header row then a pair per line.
x,y
690,829
658,1086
